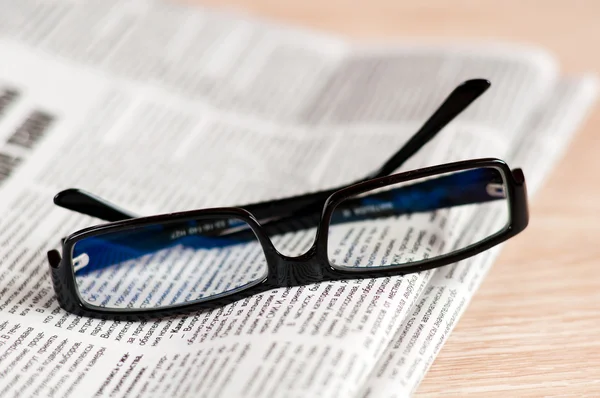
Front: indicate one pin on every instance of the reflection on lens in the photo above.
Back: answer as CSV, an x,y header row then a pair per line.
x,y
163,265
419,220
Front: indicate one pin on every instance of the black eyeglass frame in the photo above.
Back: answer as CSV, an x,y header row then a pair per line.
x,y
312,266
284,271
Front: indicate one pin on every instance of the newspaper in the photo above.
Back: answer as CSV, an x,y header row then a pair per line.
x,y
160,108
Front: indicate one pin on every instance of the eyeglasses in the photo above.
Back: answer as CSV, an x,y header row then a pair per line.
x,y
384,225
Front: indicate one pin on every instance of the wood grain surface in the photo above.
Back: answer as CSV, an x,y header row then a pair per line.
x,y
533,328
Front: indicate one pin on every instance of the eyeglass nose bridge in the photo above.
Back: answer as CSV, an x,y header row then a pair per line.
x,y
295,271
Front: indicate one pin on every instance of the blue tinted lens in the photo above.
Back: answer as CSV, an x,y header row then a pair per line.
x,y
419,219
167,264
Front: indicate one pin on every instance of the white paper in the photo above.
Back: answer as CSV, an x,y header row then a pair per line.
x,y
162,108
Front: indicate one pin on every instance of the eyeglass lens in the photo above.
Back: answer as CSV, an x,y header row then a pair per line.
x,y
418,220
168,264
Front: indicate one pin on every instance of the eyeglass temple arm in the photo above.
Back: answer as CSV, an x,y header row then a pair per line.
x,y
462,188
89,204
475,185
458,100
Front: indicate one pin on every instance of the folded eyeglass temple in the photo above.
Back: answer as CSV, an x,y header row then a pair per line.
x,y
458,100
464,187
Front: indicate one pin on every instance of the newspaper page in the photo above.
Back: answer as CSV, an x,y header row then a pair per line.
x,y
411,352
87,99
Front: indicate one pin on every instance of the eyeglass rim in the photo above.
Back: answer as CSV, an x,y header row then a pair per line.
x,y
515,181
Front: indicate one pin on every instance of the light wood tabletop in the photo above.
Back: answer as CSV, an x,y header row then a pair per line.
x,y
533,328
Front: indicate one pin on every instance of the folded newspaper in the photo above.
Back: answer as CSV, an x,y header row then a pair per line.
x,y
162,108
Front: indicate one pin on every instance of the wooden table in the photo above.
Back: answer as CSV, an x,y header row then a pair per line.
x,y
533,328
